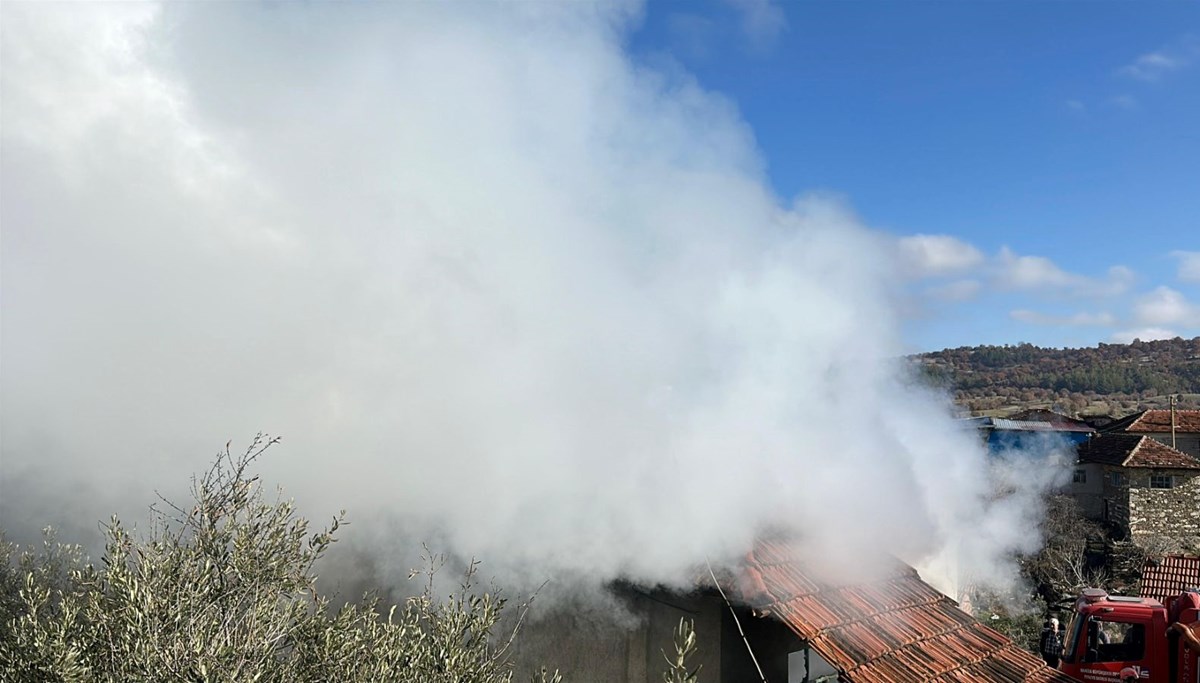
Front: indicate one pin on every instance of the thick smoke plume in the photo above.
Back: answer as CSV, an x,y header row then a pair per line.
x,y
498,283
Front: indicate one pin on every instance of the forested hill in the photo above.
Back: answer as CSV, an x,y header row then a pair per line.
x,y
1105,380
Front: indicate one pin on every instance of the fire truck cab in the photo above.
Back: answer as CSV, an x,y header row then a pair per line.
x,y
1118,639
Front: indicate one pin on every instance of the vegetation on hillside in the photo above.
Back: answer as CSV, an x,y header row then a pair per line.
x,y
1109,379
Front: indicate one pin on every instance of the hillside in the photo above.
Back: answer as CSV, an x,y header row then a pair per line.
x,y
1108,379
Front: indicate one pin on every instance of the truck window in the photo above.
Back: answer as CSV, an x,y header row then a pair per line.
x,y
1074,628
1114,641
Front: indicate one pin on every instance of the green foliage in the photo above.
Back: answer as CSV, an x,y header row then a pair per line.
x,y
224,590
1121,377
1020,623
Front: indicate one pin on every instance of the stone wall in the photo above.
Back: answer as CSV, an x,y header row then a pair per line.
x,y
1171,513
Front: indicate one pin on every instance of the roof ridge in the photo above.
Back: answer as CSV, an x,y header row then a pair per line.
x,y
1171,448
1121,423
1133,451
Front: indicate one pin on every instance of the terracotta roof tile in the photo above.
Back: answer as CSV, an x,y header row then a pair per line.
x,y
1157,421
1170,576
893,629
1153,453
1134,450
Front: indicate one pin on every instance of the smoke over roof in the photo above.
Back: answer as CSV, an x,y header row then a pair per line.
x,y
494,280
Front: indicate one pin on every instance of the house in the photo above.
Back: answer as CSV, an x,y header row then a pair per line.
x,y
1139,486
1031,430
894,627
1170,576
1179,429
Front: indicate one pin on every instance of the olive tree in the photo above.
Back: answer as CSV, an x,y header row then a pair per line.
x,y
223,589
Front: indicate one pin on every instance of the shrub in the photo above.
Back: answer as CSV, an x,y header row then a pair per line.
x,y
224,590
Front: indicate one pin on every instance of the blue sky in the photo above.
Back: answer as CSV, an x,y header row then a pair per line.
x,y
1049,152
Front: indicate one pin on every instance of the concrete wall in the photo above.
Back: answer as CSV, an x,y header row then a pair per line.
x,y
1089,494
599,645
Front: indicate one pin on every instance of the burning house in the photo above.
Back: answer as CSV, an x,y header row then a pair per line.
x,y
777,622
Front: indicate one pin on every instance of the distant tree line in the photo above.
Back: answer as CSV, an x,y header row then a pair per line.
x,y
1106,379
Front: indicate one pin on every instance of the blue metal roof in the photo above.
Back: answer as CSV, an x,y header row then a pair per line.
x,y
1024,425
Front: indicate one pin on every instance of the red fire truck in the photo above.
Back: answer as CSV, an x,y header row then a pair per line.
x,y
1115,638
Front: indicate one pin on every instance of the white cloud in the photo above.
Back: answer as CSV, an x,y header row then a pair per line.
x,y
959,290
1156,65
1142,333
1081,319
1016,272
1119,279
924,256
1031,272
1189,265
1151,66
763,21
1166,306
1126,102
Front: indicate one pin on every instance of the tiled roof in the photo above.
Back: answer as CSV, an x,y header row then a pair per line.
x,y
1153,453
893,629
1157,421
1134,450
1170,576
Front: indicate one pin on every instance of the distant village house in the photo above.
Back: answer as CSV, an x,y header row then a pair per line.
x,y
1140,487
1179,429
1031,430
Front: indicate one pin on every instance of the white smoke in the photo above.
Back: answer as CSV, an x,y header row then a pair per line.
x,y
490,276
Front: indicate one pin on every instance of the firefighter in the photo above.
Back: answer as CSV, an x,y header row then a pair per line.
x,y
1051,643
